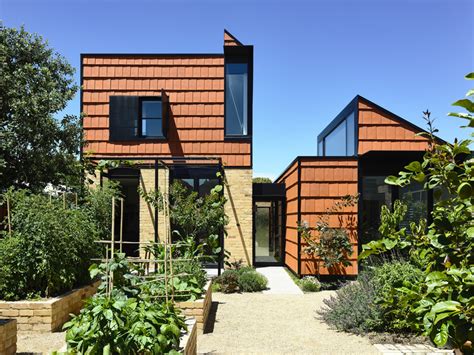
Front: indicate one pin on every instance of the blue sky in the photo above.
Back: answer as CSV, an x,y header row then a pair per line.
x,y
311,57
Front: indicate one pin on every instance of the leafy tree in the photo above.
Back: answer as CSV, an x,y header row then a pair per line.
x,y
35,84
261,180
442,305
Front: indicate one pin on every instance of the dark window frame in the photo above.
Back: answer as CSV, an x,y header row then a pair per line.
x,y
243,55
142,99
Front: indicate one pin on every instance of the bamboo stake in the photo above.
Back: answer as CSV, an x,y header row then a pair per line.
x,y
121,223
8,217
75,195
64,199
112,238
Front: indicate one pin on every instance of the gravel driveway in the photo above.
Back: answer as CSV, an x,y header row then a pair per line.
x,y
275,324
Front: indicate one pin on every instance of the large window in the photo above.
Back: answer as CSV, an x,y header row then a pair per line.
x,y
340,141
236,99
151,118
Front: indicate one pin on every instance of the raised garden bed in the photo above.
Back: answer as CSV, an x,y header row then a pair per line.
x,y
7,336
188,342
198,309
46,315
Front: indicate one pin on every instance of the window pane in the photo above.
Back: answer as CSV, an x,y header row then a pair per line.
x,y
416,199
236,99
375,194
350,137
335,141
152,128
151,109
206,185
320,148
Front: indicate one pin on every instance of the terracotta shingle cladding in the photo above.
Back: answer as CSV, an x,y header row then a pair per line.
x,y
321,183
195,86
381,131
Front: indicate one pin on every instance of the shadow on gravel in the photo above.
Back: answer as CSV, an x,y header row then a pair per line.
x,y
211,318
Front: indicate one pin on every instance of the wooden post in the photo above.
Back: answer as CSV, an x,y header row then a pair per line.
x,y
121,223
8,217
64,199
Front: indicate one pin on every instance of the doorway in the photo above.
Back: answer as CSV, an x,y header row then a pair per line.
x,y
268,226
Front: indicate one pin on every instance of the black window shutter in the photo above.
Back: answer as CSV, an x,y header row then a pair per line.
x,y
123,118
165,103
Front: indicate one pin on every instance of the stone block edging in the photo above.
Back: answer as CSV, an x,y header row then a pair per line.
x,y
47,315
198,309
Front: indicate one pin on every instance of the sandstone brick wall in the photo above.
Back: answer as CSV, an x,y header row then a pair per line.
x,y
188,342
198,309
147,212
46,315
238,191
7,336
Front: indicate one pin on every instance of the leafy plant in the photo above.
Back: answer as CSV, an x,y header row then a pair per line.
x,y
442,305
49,250
310,284
252,281
228,281
261,180
330,245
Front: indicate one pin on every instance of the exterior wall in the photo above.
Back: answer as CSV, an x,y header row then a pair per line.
x,y
323,183
8,336
238,191
320,183
147,212
195,86
381,131
290,179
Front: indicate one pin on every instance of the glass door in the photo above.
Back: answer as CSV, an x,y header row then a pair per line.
x,y
267,232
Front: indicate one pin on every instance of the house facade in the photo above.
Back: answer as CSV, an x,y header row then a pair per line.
x,y
363,145
188,117
175,116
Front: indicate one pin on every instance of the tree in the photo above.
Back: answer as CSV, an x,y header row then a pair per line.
x,y
35,84
261,180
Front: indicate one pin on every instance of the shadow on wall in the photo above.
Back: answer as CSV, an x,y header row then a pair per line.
x,y
237,222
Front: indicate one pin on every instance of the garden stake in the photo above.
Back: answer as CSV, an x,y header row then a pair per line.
x,y
121,223
64,199
112,239
8,216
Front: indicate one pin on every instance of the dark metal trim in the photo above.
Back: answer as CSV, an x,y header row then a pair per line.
x,y
235,39
338,119
299,216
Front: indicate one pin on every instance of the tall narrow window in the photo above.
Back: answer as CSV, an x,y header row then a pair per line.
x,y
151,118
236,99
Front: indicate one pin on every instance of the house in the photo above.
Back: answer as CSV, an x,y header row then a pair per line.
x,y
189,116
356,152
175,116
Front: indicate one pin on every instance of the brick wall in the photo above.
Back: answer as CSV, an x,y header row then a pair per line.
x,y
147,212
238,191
198,309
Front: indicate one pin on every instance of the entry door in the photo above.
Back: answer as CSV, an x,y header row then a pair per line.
x,y
267,233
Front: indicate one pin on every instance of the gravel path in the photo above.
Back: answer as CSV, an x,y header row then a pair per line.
x,y
37,343
275,324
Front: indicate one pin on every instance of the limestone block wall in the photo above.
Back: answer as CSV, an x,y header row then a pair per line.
x,y
147,212
7,336
238,191
46,315
198,309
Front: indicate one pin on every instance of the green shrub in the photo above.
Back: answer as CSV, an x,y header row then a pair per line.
x,y
252,281
49,250
353,309
228,281
310,284
245,269
372,302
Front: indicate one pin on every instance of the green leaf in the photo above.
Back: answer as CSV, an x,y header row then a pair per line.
x,y
465,103
465,190
414,166
470,76
445,306
441,336
392,180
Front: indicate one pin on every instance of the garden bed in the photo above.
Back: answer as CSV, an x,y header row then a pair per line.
x,y
46,315
188,342
7,336
198,309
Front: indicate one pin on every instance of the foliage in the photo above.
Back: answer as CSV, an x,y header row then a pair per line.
x,y
228,281
261,180
36,83
352,308
442,305
370,303
98,204
252,281
49,250
331,245
310,284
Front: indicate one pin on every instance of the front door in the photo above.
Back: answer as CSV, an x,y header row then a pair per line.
x,y
268,230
